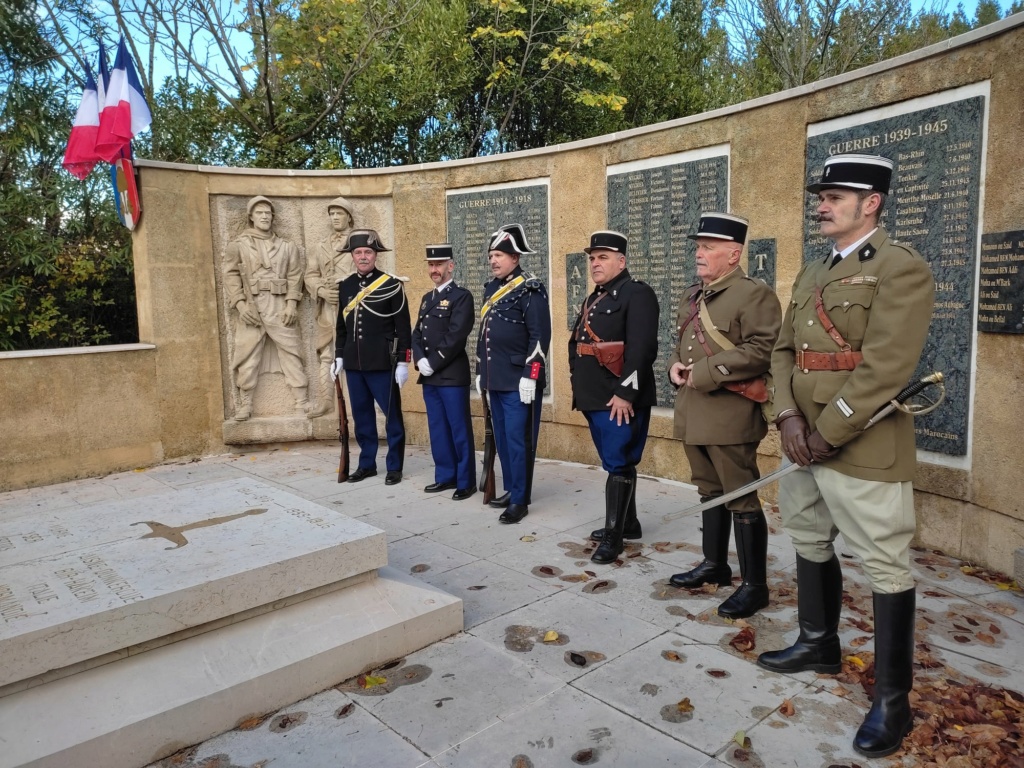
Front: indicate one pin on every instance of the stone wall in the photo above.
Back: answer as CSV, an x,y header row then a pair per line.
x,y
172,399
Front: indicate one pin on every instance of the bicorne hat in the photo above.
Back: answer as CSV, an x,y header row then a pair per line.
x,y
364,238
863,172
441,252
607,240
721,226
510,239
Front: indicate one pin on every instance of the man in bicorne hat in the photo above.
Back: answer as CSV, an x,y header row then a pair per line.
x,y
263,280
372,346
612,349
511,354
728,324
439,350
326,266
851,340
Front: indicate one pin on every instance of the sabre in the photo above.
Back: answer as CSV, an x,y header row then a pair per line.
x,y
900,402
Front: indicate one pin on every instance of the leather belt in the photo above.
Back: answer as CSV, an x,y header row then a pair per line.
x,y
846,360
585,349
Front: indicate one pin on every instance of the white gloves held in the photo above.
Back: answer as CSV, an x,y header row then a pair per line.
x,y
424,367
337,367
527,390
479,389
401,373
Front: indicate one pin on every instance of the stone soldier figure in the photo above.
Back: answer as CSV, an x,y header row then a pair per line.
x,y
326,266
263,279
439,349
728,323
372,343
612,349
511,354
852,338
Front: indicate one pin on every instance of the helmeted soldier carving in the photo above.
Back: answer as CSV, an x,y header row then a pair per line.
x,y
612,349
511,353
727,327
372,343
853,334
263,280
327,264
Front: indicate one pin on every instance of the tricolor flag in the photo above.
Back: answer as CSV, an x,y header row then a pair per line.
x,y
124,112
80,157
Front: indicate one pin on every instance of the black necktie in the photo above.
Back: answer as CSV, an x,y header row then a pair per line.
x,y
836,258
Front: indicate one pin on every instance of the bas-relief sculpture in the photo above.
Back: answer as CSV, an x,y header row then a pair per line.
x,y
263,280
276,354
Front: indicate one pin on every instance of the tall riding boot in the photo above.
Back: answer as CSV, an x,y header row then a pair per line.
x,y
752,547
618,492
890,717
632,529
715,543
819,601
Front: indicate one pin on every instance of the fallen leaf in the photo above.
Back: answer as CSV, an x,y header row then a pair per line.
x,y
717,673
742,739
985,638
856,661
476,588
591,574
547,570
371,681
575,577
550,636
527,538
578,659
787,709
685,706
744,640
670,656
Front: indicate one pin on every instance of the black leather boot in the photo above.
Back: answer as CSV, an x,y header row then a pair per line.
x,y
819,599
752,547
618,492
890,717
715,543
631,531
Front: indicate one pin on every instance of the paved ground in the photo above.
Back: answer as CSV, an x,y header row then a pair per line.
x,y
637,674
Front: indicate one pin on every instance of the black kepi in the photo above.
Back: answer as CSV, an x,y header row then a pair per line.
x,y
443,252
721,226
871,173
607,240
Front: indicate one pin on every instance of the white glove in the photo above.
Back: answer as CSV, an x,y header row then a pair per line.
x,y
479,391
527,390
401,373
337,367
424,367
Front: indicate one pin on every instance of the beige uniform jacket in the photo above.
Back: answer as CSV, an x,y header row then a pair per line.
x,y
880,300
747,312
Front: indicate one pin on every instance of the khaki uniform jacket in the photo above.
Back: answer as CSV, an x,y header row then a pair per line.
x,y
880,300
747,312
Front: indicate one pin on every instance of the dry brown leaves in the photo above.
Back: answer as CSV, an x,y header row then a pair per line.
x,y
744,640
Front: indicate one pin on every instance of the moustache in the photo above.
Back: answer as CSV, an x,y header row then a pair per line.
x,y
820,218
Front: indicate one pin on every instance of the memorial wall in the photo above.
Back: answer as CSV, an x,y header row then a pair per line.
x,y
951,117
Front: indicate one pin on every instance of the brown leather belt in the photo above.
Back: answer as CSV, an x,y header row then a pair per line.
x,y
828,361
585,349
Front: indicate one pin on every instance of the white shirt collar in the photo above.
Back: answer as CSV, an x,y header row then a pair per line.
x,y
444,285
851,248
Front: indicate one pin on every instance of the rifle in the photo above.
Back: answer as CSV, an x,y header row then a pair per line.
x,y
487,473
342,431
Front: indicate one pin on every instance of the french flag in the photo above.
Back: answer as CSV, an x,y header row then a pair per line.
x,y
80,156
124,111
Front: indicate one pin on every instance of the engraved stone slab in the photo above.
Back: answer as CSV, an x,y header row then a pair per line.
x,y
761,260
575,285
936,143
76,585
656,203
1000,302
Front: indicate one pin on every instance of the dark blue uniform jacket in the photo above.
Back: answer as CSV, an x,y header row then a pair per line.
x,y
442,328
515,334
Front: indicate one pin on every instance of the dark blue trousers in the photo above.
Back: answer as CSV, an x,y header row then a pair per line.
x,y
509,416
451,435
365,388
620,446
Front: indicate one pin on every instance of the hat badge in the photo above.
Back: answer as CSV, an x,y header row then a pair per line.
x,y
702,223
828,170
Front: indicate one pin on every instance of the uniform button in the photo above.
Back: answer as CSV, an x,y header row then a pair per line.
x,y
694,336
679,328
806,371
810,322
846,303
690,360
689,349
803,346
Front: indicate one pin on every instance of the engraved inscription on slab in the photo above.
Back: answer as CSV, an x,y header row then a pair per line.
x,y
936,144
575,285
1001,290
761,256
656,203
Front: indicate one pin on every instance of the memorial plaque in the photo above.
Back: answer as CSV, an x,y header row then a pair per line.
x,y
473,214
575,285
932,206
656,204
1001,290
761,258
